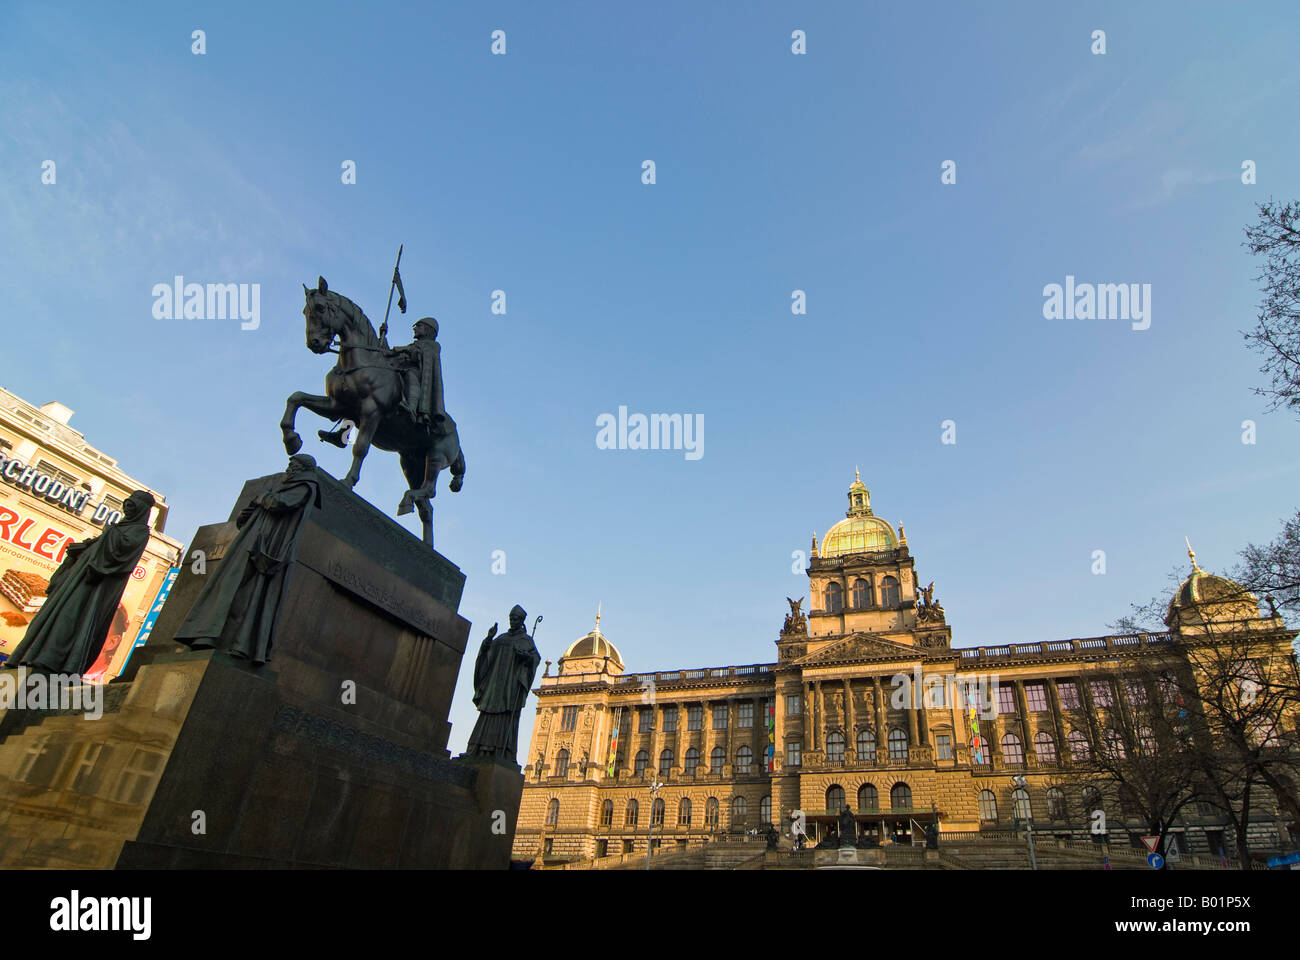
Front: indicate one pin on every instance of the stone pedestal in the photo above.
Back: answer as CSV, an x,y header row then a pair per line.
x,y
334,754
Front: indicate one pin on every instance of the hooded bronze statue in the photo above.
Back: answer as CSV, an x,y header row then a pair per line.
x,y
68,631
237,608
503,674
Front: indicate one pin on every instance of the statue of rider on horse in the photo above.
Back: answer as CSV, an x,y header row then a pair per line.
x,y
393,396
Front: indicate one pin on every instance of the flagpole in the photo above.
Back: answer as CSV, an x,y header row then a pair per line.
x,y
383,328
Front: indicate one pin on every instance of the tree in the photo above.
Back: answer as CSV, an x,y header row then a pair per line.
x,y
1276,336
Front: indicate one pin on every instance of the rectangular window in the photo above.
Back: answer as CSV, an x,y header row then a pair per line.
x,y
50,470
943,746
1069,693
794,753
720,716
1137,692
793,706
670,719
569,718
1100,690
1036,696
645,720
1006,698
694,717
137,780
627,846
746,715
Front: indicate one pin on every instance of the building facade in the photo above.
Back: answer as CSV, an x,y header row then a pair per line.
x,y
56,489
867,705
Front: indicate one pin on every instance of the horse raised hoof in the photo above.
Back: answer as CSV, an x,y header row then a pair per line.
x,y
406,505
456,483
292,443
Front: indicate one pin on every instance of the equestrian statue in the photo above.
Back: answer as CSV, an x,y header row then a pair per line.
x,y
392,396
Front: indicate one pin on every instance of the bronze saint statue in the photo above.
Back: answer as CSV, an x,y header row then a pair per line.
x,y
848,827
503,674
367,387
237,607
68,631
422,362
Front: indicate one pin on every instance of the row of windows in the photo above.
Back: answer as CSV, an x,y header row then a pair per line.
x,y
632,812
863,595
645,721
900,797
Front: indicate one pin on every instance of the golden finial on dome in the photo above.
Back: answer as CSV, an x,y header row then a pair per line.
x,y
1191,553
857,476
596,630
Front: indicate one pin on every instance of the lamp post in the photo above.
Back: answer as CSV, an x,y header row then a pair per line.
x,y
649,837
1023,784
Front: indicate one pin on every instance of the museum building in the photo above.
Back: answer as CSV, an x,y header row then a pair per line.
x,y
681,757
56,489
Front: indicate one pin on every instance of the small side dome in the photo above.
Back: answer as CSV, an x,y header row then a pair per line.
x,y
1205,597
594,644
592,653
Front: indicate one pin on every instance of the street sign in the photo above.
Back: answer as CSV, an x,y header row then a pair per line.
x,y
1155,861
1284,859
1151,843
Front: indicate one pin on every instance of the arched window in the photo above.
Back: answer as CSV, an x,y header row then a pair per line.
x,y
1078,746
744,758
607,813
1020,804
861,593
834,598
1011,749
868,798
684,812
834,798
1056,803
897,744
765,810
1092,800
900,797
1044,747
988,806
888,592
692,760
739,810
629,818
657,812
711,813
553,812
866,746
562,763
835,747
642,760
717,759
665,762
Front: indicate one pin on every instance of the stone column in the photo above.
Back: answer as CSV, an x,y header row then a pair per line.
x,y
1058,717
1022,704
850,722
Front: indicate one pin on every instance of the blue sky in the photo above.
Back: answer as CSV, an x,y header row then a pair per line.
x,y
775,172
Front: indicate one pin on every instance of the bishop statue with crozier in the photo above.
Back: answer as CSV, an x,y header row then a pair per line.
x,y
503,674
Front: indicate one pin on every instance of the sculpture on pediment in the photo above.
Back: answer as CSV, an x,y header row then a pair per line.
x,y
929,610
796,621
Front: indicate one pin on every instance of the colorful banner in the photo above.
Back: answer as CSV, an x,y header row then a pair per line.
x,y
771,733
976,744
613,741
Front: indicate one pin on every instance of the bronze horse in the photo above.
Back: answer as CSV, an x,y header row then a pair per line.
x,y
366,388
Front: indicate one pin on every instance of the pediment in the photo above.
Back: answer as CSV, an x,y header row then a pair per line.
x,y
860,647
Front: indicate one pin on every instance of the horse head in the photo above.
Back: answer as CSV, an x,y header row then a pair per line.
x,y
324,322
